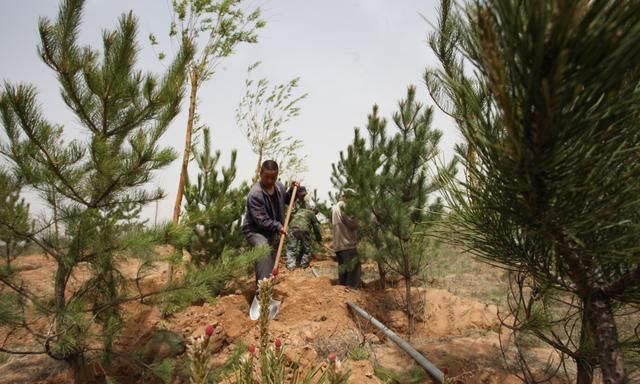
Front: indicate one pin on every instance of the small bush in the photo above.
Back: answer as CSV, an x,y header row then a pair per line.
x,y
408,376
359,352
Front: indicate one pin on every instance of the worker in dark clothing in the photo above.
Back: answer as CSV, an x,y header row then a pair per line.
x,y
264,217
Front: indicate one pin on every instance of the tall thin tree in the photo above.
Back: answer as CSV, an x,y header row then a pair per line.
x,y
394,188
214,205
215,28
260,115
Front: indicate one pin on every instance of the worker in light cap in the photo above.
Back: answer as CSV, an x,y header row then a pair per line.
x,y
345,242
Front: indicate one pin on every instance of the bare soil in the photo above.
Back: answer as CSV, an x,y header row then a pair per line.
x,y
455,332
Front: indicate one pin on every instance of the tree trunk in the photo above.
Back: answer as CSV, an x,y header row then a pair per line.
x,y
9,252
187,145
410,314
383,275
583,365
81,371
256,176
60,283
603,326
185,156
54,200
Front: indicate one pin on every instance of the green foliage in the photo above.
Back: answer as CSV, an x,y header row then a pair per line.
x,y
178,235
321,206
265,364
10,309
214,207
74,336
270,364
269,367
215,28
199,356
260,114
163,370
359,352
175,234
550,105
227,369
336,373
93,185
391,376
389,177
205,282
14,217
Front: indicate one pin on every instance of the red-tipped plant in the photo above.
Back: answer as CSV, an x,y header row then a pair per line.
x,y
209,330
199,355
336,374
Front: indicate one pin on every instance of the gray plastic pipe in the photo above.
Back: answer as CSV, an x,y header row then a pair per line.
x,y
417,356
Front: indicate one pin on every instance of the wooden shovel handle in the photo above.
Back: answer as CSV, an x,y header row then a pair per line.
x,y
286,225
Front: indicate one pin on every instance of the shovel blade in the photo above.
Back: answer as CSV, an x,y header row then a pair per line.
x,y
254,311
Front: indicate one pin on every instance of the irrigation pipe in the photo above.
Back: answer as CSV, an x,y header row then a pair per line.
x,y
417,356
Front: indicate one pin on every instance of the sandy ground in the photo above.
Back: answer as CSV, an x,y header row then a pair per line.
x,y
454,332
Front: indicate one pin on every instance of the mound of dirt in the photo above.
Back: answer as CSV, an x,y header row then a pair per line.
x,y
453,332
314,320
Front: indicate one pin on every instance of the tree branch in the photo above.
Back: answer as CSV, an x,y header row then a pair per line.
x,y
617,287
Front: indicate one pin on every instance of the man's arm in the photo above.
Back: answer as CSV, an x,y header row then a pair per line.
x,y
289,192
258,212
287,196
350,222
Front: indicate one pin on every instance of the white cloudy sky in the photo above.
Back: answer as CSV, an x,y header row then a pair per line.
x,y
349,55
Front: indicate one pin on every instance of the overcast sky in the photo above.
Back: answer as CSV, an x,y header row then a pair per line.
x,y
349,55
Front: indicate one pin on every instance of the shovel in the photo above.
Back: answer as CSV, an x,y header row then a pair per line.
x,y
274,305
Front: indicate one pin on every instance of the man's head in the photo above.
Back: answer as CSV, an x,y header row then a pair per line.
x,y
269,173
301,193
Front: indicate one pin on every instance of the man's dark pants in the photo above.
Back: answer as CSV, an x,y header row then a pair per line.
x,y
264,266
349,269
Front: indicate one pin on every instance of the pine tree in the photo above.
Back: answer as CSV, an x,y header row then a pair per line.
x,y
549,97
260,114
392,188
320,205
99,180
14,217
357,170
213,206
402,211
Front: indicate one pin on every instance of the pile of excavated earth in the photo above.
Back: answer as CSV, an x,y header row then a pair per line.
x,y
457,334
